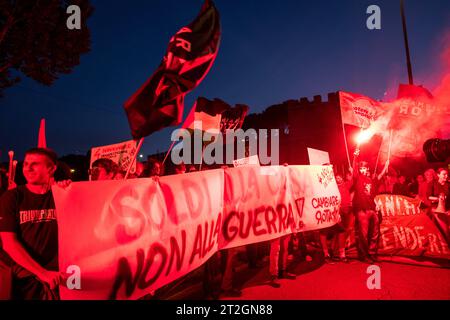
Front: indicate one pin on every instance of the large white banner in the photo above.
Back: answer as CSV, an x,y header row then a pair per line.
x,y
131,237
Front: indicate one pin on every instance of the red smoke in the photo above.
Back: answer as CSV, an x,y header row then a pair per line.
x,y
416,118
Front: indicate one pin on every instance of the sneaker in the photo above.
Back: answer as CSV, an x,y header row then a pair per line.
x,y
286,275
274,282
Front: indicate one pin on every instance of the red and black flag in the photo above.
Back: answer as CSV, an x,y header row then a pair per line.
x,y
233,118
216,115
190,54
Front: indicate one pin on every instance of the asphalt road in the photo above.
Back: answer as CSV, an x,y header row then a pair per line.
x,y
317,280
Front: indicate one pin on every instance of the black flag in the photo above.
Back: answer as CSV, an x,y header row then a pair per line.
x,y
159,102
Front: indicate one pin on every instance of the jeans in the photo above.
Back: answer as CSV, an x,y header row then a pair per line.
x,y
367,231
278,254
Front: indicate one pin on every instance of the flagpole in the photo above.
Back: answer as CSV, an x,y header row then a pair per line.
x,y
378,157
390,144
345,143
134,158
201,162
10,169
405,38
190,115
168,151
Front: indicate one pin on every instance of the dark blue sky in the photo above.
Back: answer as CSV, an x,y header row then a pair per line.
x,y
271,51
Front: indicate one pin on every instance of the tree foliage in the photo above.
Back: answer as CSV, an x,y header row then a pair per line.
x,y
35,40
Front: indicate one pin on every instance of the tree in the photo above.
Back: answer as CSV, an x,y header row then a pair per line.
x,y
35,40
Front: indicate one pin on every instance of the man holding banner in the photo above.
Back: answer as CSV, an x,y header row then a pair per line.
x,y
29,232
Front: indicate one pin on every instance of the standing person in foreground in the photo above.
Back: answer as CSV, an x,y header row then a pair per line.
x,y
367,222
440,189
29,231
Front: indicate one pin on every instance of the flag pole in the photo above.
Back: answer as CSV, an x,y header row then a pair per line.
x,y
390,144
191,115
345,143
378,158
168,152
134,158
10,169
405,38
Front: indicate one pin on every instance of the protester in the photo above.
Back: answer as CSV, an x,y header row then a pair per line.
x,y
140,169
278,261
345,212
386,185
103,169
401,187
120,175
29,232
425,187
229,262
440,190
192,168
180,168
367,219
154,168
3,179
337,233
413,187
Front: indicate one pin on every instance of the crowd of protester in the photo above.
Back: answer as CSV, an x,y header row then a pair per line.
x,y
32,273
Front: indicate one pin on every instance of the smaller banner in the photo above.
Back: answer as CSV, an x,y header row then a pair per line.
x,y
318,157
121,153
406,230
253,160
358,110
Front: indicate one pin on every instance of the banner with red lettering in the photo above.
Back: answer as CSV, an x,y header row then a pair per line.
x,y
406,230
138,235
359,110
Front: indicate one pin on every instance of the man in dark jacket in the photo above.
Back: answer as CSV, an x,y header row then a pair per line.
x,y
367,220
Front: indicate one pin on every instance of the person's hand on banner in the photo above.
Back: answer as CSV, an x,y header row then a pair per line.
x,y
64,184
52,278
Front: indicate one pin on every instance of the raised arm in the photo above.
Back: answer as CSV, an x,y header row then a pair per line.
x,y
384,171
